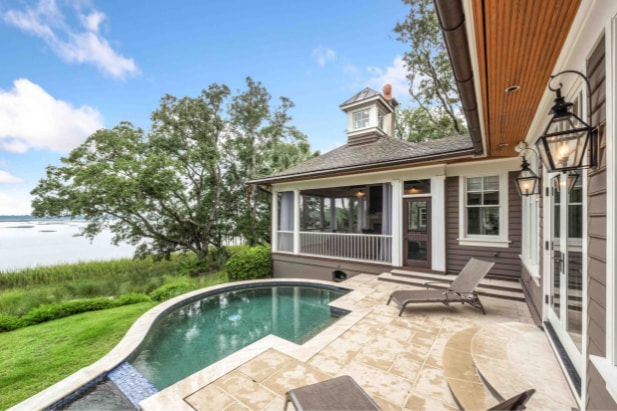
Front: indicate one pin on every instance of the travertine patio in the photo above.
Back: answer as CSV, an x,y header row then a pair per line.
x,y
399,361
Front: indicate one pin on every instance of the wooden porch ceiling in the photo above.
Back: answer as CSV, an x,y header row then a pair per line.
x,y
518,43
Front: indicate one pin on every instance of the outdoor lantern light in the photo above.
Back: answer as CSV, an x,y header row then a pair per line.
x,y
572,178
567,138
527,181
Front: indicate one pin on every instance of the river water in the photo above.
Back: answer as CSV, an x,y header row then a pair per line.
x,y
28,243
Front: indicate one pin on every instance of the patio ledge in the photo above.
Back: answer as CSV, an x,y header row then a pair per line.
x,y
608,372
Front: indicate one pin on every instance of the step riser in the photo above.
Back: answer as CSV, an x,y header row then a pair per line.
x,y
479,291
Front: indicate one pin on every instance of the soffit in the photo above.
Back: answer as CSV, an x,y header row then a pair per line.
x,y
518,43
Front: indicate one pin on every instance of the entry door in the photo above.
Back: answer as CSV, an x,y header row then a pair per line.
x,y
566,265
417,232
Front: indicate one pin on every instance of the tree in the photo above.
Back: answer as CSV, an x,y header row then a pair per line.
x,y
432,87
415,124
162,192
182,186
263,143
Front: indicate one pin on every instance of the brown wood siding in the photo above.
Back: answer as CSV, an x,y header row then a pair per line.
x,y
316,268
597,397
507,262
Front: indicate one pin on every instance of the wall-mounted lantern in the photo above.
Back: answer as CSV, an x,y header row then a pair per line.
x,y
568,142
527,182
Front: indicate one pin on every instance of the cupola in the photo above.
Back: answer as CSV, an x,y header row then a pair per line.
x,y
370,115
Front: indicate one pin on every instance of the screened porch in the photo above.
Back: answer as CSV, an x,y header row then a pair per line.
x,y
348,222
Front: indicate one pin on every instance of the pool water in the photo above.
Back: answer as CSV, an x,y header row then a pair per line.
x,y
202,332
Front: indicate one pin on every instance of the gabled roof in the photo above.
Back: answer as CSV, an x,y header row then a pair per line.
x,y
386,151
366,94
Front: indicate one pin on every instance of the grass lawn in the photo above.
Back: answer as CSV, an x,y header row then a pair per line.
x,y
35,357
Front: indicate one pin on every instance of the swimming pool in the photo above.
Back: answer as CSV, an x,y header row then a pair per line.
x,y
200,333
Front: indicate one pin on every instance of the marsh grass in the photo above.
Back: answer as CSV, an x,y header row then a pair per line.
x,y
21,291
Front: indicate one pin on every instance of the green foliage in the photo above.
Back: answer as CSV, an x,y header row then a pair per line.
x,y
182,187
432,85
171,290
250,264
415,125
50,312
9,322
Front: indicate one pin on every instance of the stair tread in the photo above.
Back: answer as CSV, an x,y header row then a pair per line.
x,y
465,384
451,277
488,292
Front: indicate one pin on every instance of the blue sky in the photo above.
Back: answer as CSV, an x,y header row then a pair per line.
x,y
70,67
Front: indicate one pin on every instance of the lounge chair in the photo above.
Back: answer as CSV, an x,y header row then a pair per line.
x,y
340,393
461,290
515,403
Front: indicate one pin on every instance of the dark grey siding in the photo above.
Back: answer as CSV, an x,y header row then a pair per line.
x,y
507,262
296,266
597,397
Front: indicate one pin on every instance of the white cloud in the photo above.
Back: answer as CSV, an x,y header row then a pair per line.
x,y
73,45
31,118
322,55
15,204
93,20
7,178
395,74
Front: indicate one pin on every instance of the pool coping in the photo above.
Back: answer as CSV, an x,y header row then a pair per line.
x,y
135,336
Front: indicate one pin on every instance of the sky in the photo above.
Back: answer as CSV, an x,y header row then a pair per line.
x,y
71,67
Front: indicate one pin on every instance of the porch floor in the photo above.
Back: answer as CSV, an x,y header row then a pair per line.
x,y
413,362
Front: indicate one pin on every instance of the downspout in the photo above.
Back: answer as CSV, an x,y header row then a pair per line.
x,y
452,21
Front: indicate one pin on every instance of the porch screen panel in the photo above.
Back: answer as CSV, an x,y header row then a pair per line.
x,y
386,222
286,221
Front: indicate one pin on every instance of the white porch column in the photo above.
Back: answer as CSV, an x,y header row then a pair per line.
x,y
397,223
274,219
438,223
296,221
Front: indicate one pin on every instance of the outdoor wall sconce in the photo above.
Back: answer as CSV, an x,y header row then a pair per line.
x,y
527,182
567,138
572,178
360,193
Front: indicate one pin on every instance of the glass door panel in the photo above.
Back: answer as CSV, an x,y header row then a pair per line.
x,y
574,268
417,232
556,253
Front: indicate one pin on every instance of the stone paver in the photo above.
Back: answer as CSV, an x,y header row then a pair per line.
x,y
396,360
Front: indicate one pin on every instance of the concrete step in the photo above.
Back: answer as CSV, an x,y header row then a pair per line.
x,y
513,357
486,282
482,290
465,384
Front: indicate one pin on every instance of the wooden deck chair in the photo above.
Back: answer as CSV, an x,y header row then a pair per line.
x,y
461,290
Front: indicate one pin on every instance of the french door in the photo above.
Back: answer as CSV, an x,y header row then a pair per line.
x,y
566,260
417,232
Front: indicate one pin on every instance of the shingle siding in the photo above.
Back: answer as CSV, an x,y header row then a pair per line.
x,y
597,397
507,261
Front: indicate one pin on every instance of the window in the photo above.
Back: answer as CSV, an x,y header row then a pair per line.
x,y
483,210
360,119
482,205
380,120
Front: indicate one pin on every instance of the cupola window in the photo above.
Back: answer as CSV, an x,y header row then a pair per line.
x,y
360,119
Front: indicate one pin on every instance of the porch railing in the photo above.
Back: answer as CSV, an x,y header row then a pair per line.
x,y
364,247
285,241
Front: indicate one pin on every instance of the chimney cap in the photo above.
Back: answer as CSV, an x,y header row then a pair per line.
x,y
387,91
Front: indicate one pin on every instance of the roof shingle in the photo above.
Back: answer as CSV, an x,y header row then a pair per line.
x,y
383,151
